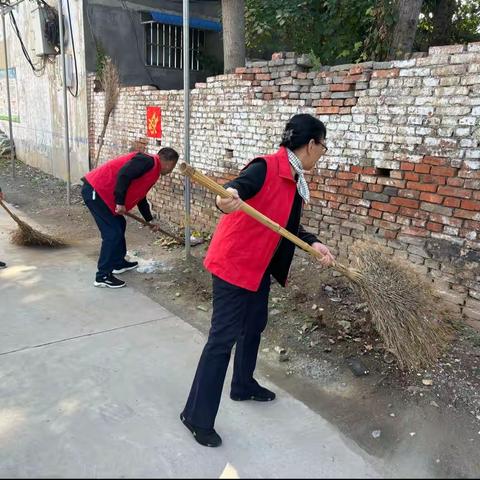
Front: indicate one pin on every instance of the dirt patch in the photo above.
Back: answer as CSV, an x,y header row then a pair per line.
x,y
319,343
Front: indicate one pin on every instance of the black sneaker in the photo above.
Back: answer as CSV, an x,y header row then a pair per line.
x,y
3,265
207,437
125,267
109,281
260,394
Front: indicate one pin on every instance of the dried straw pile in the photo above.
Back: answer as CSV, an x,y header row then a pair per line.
x,y
404,308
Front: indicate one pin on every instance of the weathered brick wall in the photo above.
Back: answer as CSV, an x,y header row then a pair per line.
x,y
403,165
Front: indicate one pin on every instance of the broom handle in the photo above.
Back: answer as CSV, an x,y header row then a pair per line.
x,y
144,222
9,211
249,210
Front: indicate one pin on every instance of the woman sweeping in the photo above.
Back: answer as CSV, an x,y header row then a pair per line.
x,y
242,257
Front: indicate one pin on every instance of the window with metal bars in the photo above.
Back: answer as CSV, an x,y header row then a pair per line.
x,y
164,46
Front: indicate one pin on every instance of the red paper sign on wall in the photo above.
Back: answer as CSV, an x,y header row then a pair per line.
x,y
154,122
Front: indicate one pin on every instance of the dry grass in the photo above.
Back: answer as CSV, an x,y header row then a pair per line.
x,y
405,311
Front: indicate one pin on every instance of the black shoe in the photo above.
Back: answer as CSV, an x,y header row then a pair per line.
x,y
109,281
125,267
207,437
260,394
3,265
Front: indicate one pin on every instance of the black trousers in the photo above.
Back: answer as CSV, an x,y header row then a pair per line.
x,y
112,229
239,317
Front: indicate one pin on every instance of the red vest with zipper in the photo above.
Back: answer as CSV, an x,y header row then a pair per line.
x,y
104,178
242,248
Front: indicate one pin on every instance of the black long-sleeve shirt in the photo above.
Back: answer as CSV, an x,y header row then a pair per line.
x,y
134,168
248,184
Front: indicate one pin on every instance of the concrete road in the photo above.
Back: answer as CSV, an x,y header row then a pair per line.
x,y
92,382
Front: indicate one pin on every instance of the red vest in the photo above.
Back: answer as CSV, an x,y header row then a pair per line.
x,y
242,248
104,178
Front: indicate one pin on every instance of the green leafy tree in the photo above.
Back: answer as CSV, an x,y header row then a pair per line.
x,y
344,31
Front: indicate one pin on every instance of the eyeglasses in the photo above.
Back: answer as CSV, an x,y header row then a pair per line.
x,y
325,148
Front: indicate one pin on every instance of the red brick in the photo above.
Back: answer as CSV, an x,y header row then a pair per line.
x,y
421,168
345,110
347,175
240,70
341,87
359,186
267,96
434,227
456,182
451,202
431,197
471,205
469,214
422,187
409,212
388,225
433,179
454,192
431,160
390,234
476,195
375,188
391,73
414,177
375,213
370,171
356,169
317,194
385,207
405,202
323,103
327,110
350,102
337,103
445,171
351,192
417,232
407,166
263,76
357,70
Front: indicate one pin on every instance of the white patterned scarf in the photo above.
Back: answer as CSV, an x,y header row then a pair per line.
x,y
302,185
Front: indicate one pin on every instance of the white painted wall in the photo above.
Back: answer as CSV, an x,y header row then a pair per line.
x,y
38,133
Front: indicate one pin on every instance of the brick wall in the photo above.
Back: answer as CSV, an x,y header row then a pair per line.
x,y
403,165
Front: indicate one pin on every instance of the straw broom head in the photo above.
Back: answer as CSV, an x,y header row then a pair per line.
x,y
26,235
405,311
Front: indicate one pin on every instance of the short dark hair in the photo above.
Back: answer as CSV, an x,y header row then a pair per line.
x,y
168,154
300,129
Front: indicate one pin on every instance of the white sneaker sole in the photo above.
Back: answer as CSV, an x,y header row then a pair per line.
x,y
104,285
123,270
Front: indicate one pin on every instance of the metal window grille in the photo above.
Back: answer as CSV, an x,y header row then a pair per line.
x,y
164,46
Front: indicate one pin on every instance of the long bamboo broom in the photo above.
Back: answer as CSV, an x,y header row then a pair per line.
x,y
27,236
402,304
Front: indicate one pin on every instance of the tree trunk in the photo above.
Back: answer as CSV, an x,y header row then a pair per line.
x,y
233,18
442,22
405,29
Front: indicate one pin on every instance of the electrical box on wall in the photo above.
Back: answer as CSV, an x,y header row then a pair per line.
x,y
41,45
